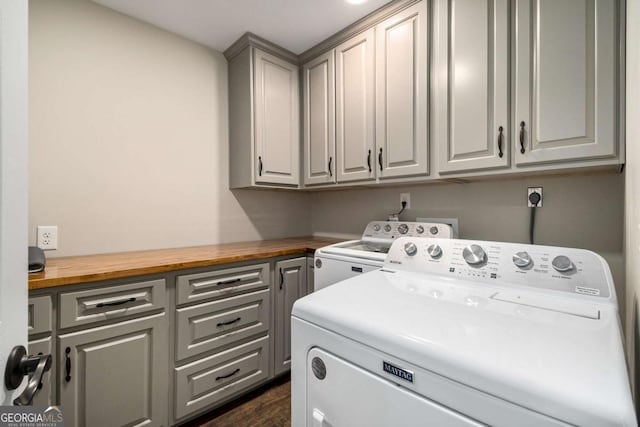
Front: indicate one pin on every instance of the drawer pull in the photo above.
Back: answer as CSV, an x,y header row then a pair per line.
x,y
222,377
500,129
281,279
522,125
229,282
109,304
369,161
230,322
380,159
67,364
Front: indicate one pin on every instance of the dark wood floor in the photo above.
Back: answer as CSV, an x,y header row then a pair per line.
x,y
269,406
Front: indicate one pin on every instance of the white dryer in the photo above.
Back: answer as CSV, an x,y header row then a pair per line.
x,y
459,333
342,260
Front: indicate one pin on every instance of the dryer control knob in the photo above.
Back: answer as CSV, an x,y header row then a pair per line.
x,y
562,263
420,229
435,251
522,259
434,230
376,227
474,255
403,228
410,248
387,228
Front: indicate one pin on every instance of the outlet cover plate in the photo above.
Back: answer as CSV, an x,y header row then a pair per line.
x,y
531,190
47,237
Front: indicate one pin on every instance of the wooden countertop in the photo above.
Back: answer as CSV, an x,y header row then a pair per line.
x,y
91,268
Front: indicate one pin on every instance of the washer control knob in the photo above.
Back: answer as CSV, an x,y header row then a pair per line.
x,y
420,229
435,251
562,263
433,230
410,248
522,259
474,255
376,227
403,228
387,228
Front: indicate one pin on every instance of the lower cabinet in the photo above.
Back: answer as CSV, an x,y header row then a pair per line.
x,y
117,361
115,375
310,271
40,326
44,397
290,284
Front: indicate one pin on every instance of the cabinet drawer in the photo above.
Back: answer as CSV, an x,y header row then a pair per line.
x,y
113,302
39,313
218,283
215,378
208,326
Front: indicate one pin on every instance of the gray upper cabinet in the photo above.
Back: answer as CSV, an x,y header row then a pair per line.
x,y
264,115
277,120
319,120
402,93
566,80
471,84
290,284
355,108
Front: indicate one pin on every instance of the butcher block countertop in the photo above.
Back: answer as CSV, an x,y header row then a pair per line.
x,y
92,268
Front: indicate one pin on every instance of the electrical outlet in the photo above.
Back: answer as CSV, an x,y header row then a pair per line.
x,y
534,190
405,197
47,237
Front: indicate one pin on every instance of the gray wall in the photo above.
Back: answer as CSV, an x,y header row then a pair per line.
x,y
578,211
128,139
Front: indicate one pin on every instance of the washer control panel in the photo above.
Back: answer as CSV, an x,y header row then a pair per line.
x,y
390,230
568,270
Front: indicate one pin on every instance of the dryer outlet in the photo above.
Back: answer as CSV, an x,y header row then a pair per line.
x,y
405,197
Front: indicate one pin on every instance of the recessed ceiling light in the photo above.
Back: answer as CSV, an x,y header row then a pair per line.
x,y
356,1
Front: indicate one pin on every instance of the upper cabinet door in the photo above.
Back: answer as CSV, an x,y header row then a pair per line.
x,y
401,93
471,75
566,80
318,81
355,108
277,120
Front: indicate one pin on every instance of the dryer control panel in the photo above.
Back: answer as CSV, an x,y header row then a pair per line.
x,y
383,233
571,271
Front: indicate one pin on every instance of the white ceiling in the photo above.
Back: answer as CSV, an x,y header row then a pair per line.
x,y
296,25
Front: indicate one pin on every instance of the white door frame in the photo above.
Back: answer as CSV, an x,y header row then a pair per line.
x,y
13,182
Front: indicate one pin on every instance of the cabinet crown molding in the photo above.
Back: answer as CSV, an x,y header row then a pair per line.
x,y
250,39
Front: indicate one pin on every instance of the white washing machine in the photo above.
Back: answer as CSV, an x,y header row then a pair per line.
x,y
340,261
460,333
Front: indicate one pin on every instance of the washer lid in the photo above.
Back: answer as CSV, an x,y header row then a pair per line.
x,y
553,361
